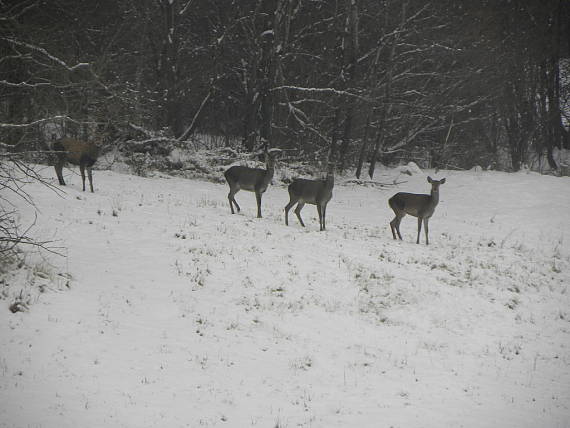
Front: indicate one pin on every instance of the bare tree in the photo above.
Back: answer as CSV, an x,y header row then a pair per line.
x,y
15,174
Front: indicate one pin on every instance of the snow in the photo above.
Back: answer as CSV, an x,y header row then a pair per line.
x,y
411,168
181,314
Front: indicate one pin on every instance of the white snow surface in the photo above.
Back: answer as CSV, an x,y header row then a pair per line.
x,y
179,314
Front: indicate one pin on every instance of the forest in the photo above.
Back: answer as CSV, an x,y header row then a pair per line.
x,y
449,84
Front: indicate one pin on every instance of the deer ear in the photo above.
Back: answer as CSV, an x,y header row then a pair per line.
x,y
442,181
429,179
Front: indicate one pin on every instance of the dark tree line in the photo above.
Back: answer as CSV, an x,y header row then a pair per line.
x,y
453,82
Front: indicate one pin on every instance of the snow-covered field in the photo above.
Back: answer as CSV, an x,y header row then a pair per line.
x,y
168,311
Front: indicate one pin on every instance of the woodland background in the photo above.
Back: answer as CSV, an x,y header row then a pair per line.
x,y
446,83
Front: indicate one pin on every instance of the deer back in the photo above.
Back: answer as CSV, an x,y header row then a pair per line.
x,y
312,191
77,151
249,178
417,205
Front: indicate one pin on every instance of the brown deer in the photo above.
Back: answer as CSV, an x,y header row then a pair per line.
x,y
420,206
251,179
75,152
314,192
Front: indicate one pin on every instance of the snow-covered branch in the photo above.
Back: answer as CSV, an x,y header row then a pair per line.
x,y
48,55
36,122
23,85
330,91
186,7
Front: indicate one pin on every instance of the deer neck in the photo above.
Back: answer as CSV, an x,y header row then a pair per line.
x,y
329,180
270,170
434,197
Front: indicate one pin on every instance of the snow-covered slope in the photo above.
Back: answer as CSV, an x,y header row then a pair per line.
x,y
180,314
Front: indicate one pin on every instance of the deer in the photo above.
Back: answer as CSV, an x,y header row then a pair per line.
x,y
251,179
76,152
315,192
416,205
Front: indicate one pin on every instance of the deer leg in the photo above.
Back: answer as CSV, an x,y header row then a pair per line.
x,y
90,176
320,211
232,199
236,204
59,173
287,208
419,229
300,206
393,227
258,198
398,227
324,216
82,169
426,221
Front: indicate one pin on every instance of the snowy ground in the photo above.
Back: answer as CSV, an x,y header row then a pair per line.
x,y
179,314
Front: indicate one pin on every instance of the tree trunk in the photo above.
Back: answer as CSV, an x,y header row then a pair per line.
x,y
388,104
350,53
266,99
335,134
554,119
378,143
169,66
249,123
363,147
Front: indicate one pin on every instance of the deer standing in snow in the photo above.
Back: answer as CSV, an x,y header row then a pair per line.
x,y
251,179
420,206
314,192
76,152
